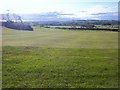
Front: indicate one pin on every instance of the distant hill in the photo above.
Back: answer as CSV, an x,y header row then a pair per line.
x,y
53,16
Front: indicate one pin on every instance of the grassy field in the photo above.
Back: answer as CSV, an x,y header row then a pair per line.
x,y
60,58
45,37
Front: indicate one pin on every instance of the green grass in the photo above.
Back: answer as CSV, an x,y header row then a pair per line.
x,y
0,68
59,58
45,37
53,67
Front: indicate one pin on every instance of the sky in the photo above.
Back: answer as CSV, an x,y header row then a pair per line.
x,y
83,9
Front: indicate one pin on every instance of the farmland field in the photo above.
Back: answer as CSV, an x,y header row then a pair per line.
x,y
52,58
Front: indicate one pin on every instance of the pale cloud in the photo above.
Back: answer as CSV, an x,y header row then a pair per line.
x,y
72,8
94,12
38,6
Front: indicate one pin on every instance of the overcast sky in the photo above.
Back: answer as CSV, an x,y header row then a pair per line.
x,y
77,8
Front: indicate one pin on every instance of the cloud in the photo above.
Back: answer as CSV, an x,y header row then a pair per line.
x,y
55,14
107,13
47,16
98,12
58,10
83,11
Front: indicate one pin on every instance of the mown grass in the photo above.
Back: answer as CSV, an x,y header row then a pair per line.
x,y
59,58
45,37
56,67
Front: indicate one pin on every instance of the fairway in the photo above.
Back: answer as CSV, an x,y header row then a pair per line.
x,y
45,37
52,58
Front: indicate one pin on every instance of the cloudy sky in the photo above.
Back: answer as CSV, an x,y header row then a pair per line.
x,y
82,9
